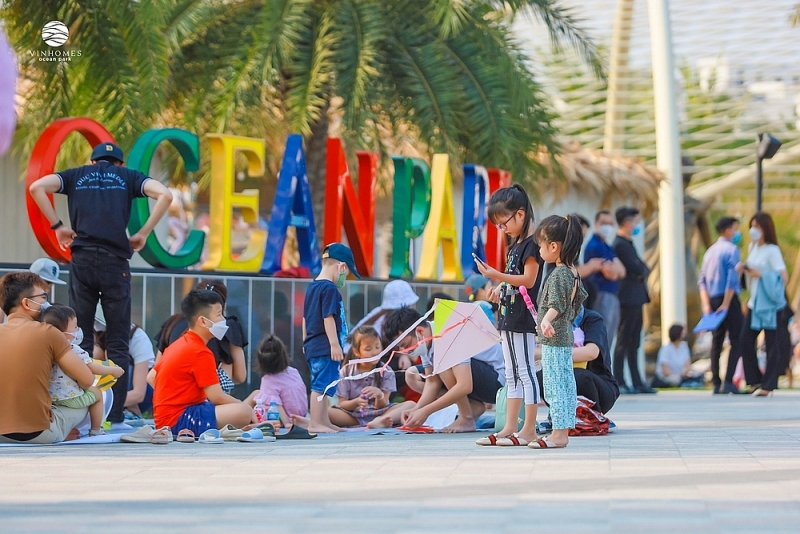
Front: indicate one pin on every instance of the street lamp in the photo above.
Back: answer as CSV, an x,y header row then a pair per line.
x,y
766,148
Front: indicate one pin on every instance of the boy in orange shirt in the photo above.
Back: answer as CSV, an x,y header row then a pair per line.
x,y
186,390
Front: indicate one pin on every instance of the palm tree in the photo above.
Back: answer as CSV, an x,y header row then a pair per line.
x,y
450,72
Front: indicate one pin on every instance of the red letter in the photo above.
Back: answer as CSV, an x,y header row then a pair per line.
x,y
343,208
43,161
495,241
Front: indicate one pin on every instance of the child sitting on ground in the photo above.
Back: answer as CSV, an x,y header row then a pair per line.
x,y
279,382
64,390
365,401
674,364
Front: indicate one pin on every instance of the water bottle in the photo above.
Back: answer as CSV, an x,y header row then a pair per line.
x,y
274,415
260,411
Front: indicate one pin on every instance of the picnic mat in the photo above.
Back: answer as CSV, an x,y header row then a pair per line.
x,y
88,440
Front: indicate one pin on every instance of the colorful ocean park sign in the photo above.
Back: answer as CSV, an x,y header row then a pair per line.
x,y
423,206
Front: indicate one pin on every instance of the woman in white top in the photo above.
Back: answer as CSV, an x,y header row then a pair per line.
x,y
764,256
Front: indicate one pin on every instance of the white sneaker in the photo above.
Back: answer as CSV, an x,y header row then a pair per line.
x,y
120,426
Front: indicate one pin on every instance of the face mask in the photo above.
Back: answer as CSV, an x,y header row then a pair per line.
x,y
218,329
637,229
42,305
77,336
607,231
755,234
342,278
737,237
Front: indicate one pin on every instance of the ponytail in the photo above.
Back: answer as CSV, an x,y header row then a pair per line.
x,y
567,232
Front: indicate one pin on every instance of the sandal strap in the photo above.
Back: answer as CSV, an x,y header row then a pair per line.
x,y
513,439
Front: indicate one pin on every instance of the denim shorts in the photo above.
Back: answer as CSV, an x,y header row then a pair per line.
x,y
198,418
324,372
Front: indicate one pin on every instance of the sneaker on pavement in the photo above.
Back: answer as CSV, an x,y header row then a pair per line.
x,y
140,436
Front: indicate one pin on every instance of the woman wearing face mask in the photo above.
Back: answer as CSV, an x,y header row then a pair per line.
x,y
767,310
228,341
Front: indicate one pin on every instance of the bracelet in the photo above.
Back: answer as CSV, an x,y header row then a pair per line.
x,y
57,225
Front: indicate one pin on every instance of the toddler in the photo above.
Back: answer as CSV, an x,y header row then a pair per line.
x,y
280,382
365,401
64,390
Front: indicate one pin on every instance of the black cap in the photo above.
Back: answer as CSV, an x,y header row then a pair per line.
x,y
340,252
106,151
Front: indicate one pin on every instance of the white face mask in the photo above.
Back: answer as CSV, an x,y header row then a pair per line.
x,y
77,336
607,231
42,305
755,234
218,329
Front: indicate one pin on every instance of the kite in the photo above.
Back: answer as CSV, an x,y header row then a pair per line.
x,y
460,331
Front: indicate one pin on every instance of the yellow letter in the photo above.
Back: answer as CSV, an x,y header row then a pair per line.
x,y
224,199
441,227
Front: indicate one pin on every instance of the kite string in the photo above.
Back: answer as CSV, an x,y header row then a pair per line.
x,y
381,369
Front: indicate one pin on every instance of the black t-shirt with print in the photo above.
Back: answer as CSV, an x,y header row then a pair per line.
x,y
514,315
99,198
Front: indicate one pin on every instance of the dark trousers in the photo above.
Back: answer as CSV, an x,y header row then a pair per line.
x,y
628,341
97,275
595,389
778,344
732,326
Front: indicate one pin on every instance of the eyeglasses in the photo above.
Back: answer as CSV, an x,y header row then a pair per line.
x,y
503,225
39,295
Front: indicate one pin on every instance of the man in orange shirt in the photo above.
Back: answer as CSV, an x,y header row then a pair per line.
x,y
186,390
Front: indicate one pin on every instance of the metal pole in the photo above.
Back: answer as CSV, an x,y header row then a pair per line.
x,y
672,249
759,180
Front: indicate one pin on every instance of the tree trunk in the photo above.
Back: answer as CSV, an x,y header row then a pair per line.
x,y
316,160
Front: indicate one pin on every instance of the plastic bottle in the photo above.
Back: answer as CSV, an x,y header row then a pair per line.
x,y
274,415
260,411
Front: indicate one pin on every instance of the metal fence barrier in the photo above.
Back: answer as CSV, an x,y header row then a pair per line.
x,y
262,304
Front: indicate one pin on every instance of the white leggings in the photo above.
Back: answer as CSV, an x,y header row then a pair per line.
x,y
518,353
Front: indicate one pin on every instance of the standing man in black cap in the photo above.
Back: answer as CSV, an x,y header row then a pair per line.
x,y
99,198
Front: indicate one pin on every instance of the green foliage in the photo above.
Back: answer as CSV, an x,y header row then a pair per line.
x,y
449,72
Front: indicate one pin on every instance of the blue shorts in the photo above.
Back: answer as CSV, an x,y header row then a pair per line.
x,y
198,418
324,371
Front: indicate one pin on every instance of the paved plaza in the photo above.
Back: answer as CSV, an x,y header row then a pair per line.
x,y
679,462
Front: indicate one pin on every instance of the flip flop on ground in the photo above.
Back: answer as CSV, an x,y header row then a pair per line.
x,y
186,436
297,432
211,436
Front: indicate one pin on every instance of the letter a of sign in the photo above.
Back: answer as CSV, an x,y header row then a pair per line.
x,y
292,207
344,208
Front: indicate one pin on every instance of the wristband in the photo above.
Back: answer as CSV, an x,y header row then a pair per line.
x,y
57,225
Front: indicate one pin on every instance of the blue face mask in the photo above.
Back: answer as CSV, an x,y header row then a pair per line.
x,y
637,229
579,318
737,237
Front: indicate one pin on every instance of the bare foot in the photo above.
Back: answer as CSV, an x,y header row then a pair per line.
x,y
302,422
383,421
321,429
73,435
528,437
460,425
333,427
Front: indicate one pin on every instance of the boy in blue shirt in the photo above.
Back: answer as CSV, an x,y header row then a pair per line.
x,y
325,330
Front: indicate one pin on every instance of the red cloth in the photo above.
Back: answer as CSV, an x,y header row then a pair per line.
x,y
186,367
588,422
293,272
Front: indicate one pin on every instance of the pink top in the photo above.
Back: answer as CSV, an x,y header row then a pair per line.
x,y
287,389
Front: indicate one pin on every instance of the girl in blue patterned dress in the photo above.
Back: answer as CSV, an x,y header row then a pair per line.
x,y
560,302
